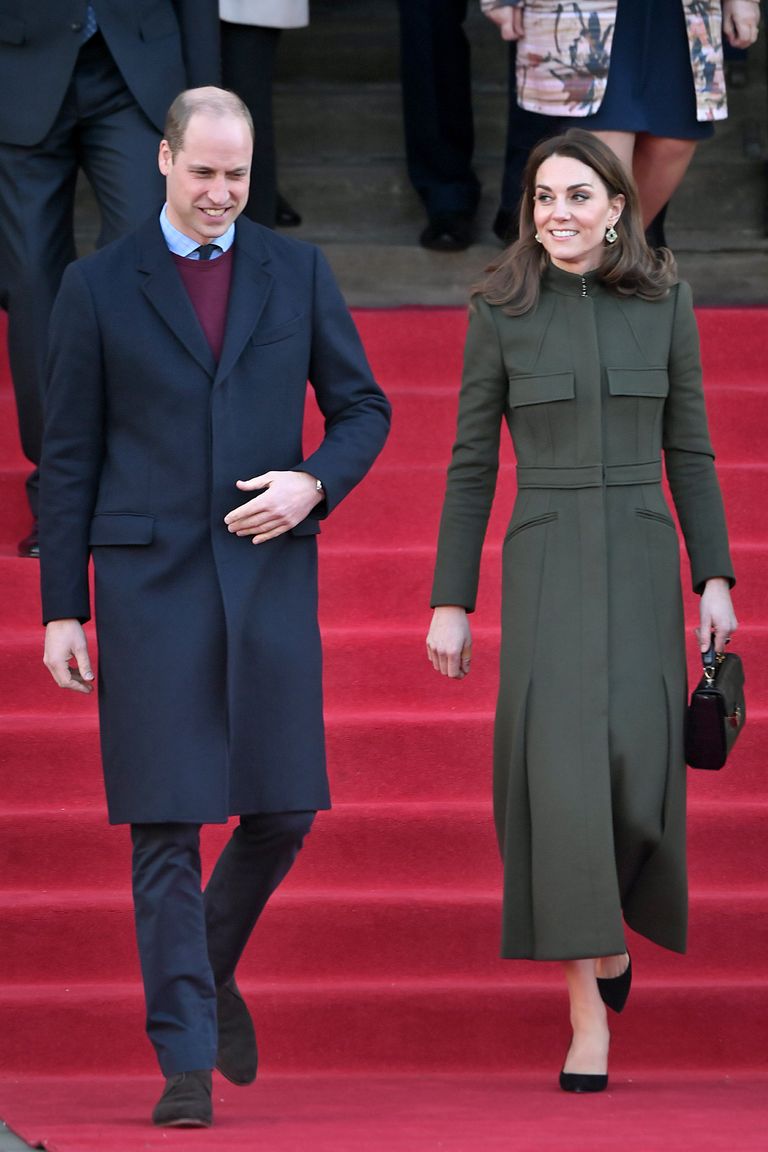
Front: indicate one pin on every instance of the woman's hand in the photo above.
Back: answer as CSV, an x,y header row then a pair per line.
x,y
741,19
508,17
449,642
716,614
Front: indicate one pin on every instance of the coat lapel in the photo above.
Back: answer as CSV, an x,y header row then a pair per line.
x,y
251,286
165,291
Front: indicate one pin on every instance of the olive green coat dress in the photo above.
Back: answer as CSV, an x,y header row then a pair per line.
x,y
589,776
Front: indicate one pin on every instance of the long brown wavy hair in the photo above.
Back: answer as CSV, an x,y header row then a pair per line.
x,y
628,267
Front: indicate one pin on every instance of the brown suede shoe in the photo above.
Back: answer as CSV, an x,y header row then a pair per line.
x,y
237,1057
185,1102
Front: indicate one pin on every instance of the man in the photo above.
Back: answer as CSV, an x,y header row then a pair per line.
x,y
439,127
177,382
82,85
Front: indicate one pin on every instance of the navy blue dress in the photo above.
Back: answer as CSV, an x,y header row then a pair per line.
x,y
650,80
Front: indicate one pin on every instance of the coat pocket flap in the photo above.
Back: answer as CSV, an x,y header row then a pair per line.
x,y
638,382
121,528
540,389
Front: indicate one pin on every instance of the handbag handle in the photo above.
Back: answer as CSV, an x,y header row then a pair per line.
x,y
711,660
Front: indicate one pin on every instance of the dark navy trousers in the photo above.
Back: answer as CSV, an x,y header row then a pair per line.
x,y
190,942
436,83
101,130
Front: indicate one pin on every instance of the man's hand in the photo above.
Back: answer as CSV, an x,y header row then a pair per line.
x,y
288,498
449,642
508,18
65,640
741,19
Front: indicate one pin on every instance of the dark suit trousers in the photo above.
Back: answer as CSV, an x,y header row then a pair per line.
x,y
437,110
100,129
248,55
190,942
437,104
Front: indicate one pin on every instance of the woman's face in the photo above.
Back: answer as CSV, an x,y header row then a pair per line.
x,y
572,211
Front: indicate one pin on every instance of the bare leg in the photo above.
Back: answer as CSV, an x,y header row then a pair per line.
x,y
608,967
588,1053
622,143
659,165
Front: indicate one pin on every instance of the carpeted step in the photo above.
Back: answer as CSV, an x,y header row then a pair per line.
x,y
428,845
386,666
390,965
437,755
360,585
85,936
412,1026
408,499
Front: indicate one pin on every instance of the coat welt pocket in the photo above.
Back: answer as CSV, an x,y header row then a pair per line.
x,y
533,522
108,528
658,517
638,382
525,390
281,332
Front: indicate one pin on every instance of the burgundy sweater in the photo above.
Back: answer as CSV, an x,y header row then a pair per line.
x,y
208,283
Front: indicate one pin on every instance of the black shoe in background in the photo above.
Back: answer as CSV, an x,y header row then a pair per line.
x,y
654,233
29,547
450,232
286,215
505,225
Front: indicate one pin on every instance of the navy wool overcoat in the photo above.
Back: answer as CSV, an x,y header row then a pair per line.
x,y
210,691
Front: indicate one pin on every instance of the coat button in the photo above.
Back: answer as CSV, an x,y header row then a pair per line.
x,y
76,27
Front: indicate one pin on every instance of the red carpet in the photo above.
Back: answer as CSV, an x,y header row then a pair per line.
x,y
389,968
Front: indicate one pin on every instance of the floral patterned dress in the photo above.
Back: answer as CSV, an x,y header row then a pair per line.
x,y
652,67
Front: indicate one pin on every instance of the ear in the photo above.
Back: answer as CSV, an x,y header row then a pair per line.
x,y
165,157
617,207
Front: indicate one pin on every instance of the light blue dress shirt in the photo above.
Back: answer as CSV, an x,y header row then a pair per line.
x,y
181,245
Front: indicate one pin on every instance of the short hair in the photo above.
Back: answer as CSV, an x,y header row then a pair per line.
x,y
218,102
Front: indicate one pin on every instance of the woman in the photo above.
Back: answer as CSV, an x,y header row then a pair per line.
x,y
586,345
250,34
647,78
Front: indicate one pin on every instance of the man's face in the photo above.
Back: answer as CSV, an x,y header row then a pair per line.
x,y
207,181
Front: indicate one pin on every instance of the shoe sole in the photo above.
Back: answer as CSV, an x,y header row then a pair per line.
x,y
188,1122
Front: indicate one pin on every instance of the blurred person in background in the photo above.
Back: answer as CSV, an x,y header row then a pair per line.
x,y
250,35
439,125
647,78
83,86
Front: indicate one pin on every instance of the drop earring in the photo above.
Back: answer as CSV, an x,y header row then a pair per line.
x,y
537,238
611,234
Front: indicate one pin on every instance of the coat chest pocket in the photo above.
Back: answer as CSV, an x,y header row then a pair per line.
x,y
652,382
524,390
278,333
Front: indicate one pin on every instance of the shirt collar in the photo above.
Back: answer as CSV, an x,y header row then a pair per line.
x,y
181,245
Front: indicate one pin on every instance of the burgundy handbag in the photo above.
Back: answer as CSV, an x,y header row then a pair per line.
x,y
717,710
